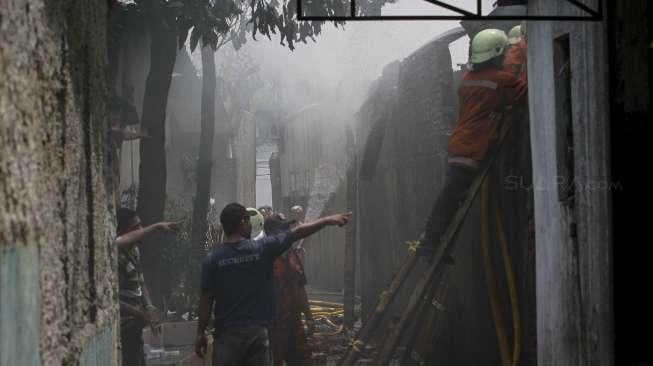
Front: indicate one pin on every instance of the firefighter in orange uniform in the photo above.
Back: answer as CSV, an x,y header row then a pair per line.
x,y
515,60
288,339
485,94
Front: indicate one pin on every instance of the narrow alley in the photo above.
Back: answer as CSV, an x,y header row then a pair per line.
x,y
323,183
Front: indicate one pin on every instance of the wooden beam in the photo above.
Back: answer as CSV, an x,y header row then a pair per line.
x,y
437,265
350,234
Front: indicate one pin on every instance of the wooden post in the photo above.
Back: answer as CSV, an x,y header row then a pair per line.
x,y
275,181
350,234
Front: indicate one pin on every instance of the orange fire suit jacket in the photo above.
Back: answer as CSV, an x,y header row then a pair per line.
x,y
484,97
515,60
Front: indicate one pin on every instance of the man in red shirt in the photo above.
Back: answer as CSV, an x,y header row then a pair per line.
x,y
485,94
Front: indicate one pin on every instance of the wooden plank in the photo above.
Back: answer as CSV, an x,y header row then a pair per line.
x,y
350,235
417,321
445,249
371,324
426,335
424,284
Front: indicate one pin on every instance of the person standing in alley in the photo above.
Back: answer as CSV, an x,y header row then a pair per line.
x,y
289,340
266,211
136,308
297,213
486,94
237,283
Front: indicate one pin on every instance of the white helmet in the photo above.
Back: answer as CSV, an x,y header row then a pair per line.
x,y
257,222
514,36
488,44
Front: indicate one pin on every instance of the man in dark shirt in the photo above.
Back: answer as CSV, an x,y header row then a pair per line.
x,y
238,276
136,308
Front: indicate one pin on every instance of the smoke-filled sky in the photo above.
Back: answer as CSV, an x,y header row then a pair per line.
x,y
358,51
369,44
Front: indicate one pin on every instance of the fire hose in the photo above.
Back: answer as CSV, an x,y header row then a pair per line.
x,y
508,358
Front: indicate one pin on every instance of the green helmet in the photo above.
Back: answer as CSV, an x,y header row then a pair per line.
x,y
514,36
256,221
488,44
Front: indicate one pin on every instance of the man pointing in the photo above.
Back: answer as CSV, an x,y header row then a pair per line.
x,y
238,276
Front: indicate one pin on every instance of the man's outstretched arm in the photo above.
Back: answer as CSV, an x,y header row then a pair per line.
x,y
308,229
277,244
131,238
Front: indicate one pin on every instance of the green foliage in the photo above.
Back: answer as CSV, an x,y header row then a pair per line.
x,y
217,22
207,20
272,17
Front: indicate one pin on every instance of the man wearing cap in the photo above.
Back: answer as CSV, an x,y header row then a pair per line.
x,y
237,282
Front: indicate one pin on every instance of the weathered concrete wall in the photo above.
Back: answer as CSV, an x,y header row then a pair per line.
x,y
573,251
57,285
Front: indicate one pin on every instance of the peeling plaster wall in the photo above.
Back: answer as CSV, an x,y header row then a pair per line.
x,y
57,285
574,249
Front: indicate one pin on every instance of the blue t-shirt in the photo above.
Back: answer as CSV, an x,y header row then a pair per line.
x,y
240,277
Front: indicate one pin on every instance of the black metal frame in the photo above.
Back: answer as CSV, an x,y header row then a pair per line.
x,y
592,15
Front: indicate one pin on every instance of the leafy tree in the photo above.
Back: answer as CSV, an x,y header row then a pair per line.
x,y
161,22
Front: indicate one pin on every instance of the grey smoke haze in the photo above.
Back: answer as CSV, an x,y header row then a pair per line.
x,y
343,62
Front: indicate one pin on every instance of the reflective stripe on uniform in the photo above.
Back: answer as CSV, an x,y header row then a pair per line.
x,y
463,161
482,83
